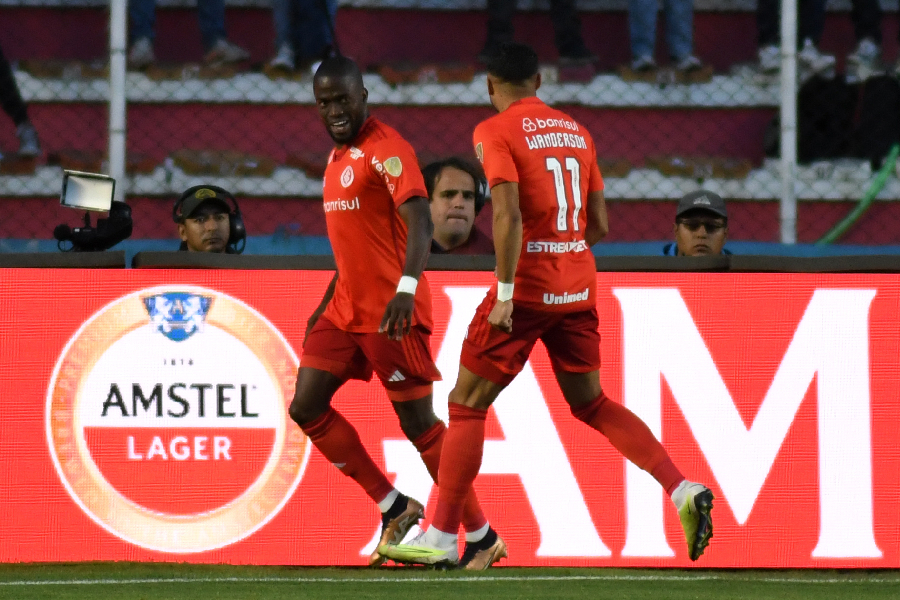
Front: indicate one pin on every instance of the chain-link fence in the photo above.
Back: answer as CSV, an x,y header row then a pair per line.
x,y
250,124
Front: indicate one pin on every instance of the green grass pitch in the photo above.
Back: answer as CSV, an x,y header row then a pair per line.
x,y
142,581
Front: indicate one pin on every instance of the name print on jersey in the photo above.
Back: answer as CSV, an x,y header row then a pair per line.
x,y
555,140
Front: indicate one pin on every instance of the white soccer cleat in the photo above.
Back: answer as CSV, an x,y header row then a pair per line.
x,y
695,513
419,551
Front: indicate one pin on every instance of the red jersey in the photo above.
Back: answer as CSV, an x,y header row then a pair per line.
x,y
365,182
554,161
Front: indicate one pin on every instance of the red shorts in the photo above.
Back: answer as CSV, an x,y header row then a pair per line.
x,y
405,367
572,341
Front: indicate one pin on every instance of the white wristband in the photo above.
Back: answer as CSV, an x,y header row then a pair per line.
x,y
504,291
407,285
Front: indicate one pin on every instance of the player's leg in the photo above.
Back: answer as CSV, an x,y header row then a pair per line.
x,y
427,432
463,446
330,358
574,349
407,371
490,360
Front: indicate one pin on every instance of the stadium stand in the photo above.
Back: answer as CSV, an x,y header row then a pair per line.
x,y
260,137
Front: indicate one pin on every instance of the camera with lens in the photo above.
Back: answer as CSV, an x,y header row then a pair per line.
x,y
92,192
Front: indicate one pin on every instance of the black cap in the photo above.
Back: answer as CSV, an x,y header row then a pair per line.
x,y
202,196
702,200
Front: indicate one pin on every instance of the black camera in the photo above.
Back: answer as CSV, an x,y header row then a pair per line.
x,y
108,232
92,191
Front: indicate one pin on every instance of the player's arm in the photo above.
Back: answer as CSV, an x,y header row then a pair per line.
x,y
416,213
329,292
507,229
597,221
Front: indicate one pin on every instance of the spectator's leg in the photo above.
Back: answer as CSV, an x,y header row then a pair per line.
x,y
10,98
566,28
642,27
866,16
811,21
768,23
314,28
143,18
679,28
499,25
211,16
282,19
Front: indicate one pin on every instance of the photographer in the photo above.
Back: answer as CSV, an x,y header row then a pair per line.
x,y
209,220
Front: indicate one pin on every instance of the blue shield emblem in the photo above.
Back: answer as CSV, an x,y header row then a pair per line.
x,y
177,315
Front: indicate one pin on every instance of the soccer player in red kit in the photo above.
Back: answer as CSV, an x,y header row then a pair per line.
x,y
376,313
547,197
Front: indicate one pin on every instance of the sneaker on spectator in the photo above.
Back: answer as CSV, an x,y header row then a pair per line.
x,y
579,57
688,64
769,59
643,64
28,140
284,58
814,62
141,54
865,61
223,52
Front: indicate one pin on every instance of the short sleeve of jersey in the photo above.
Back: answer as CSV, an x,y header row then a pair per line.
x,y
394,160
494,153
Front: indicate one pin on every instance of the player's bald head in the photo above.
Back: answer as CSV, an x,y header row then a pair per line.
x,y
513,63
339,68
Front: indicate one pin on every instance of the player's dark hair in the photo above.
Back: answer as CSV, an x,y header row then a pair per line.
x,y
432,172
513,62
338,67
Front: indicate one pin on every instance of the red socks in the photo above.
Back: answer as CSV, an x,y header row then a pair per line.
x,y
339,442
631,436
464,446
429,445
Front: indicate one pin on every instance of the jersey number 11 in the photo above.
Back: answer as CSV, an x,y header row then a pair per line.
x,y
555,167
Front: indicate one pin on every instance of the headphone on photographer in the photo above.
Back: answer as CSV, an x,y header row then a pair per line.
x,y
237,232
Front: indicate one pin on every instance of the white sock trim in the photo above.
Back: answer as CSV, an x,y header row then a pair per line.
x,y
439,539
388,501
478,534
679,496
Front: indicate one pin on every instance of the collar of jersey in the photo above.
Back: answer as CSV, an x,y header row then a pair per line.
x,y
527,101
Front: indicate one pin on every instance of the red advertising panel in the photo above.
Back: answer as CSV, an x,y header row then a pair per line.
x,y
144,418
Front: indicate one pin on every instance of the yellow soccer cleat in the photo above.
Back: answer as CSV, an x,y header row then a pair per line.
x,y
696,518
420,552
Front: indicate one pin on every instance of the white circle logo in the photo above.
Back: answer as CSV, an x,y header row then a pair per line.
x,y
166,419
347,176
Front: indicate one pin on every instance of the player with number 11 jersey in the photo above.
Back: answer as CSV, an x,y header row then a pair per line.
x,y
548,205
553,160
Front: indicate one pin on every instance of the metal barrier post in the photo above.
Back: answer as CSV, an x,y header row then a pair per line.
x,y
788,212
118,22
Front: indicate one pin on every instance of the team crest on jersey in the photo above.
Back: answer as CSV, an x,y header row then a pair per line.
x,y
393,166
529,125
347,176
479,152
177,315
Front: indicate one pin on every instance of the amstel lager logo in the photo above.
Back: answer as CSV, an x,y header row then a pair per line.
x,y
167,419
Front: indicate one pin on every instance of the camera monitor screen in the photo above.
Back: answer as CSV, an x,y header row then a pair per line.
x,y
88,191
